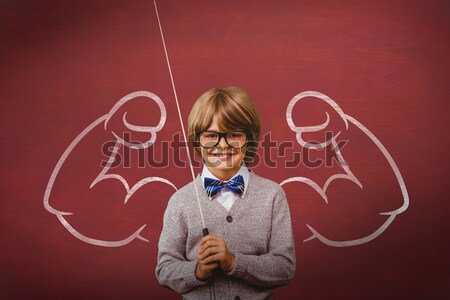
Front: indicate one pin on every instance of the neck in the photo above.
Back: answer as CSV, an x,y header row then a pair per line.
x,y
224,175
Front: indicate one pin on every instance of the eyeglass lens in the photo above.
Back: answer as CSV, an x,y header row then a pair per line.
x,y
235,139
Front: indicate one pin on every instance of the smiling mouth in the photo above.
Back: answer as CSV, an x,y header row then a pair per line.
x,y
222,154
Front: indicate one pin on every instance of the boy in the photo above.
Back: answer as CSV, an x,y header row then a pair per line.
x,y
250,248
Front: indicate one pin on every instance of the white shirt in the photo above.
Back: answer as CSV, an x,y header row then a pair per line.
x,y
226,197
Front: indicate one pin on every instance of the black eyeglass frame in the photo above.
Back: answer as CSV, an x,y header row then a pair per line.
x,y
224,135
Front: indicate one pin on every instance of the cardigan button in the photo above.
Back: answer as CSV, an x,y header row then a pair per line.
x,y
229,219
237,298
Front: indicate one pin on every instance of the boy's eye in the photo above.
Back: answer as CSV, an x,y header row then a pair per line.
x,y
235,135
210,135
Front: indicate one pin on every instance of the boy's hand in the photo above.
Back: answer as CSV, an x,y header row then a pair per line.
x,y
204,271
214,249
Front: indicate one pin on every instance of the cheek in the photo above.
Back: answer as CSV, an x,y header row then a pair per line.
x,y
240,154
243,151
206,152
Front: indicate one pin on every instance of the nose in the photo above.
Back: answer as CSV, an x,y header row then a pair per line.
x,y
222,142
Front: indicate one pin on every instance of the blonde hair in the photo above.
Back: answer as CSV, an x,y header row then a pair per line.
x,y
234,110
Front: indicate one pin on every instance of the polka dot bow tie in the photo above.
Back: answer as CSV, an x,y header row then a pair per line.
x,y
213,186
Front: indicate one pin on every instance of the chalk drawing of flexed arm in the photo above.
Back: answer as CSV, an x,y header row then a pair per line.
x,y
347,174
106,173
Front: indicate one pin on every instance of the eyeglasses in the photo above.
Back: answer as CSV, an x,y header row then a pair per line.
x,y
210,139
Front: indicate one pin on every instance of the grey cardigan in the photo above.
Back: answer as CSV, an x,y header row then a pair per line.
x,y
257,230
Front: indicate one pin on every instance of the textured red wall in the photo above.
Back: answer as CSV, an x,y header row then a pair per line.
x,y
65,64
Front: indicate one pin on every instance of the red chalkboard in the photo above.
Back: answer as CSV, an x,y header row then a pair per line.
x,y
366,80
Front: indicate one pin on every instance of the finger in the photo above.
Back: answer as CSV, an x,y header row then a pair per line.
x,y
211,258
208,238
208,263
214,238
211,266
208,252
208,244
211,237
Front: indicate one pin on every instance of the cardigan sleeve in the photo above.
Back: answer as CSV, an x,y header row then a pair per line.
x,y
173,270
277,266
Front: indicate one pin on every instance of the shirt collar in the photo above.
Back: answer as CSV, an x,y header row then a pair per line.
x,y
243,170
